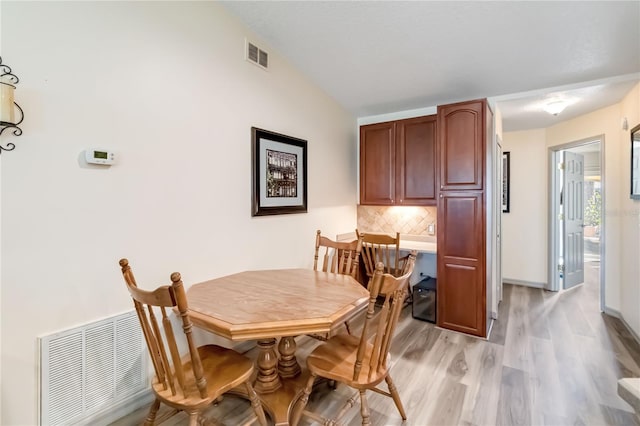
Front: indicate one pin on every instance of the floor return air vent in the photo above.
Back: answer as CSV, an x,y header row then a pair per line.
x,y
92,369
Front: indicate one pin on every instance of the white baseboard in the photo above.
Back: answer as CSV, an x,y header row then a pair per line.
x,y
615,313
141,399
524,283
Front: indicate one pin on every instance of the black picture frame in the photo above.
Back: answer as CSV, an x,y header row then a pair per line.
x,y
635,163
279,169
506,166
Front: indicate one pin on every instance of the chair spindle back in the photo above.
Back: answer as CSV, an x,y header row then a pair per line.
x,y
394,290
147,304
380,248
337,257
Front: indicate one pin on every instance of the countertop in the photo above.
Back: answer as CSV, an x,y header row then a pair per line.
x,y
421,243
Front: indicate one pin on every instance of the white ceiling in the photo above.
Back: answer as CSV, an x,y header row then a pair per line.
x,y
377,57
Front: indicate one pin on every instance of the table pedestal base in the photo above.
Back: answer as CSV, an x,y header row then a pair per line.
x,y
268,379
279,404
288,366
278,381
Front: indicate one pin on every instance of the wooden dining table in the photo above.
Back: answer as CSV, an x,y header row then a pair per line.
x,y
270,304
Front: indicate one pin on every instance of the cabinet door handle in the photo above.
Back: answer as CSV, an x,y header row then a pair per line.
x,y
441,196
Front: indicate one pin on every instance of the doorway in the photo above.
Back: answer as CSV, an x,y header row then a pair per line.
x,y
576,221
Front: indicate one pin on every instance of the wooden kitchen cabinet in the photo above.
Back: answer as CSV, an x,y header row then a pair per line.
x,y
398,162
462,145
461,292
464,130
377,164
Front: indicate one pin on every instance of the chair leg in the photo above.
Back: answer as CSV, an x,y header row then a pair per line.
x,y
409,298
396,396
347,406
302,401
151,417
194,418
364,408
256,404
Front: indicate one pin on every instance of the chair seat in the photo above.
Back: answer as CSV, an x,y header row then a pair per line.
x,y
335,360
186,383
365,357
223,368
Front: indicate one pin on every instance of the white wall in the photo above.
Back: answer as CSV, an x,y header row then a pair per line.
x,y
0,251
164,84
630,216
621,214
524,228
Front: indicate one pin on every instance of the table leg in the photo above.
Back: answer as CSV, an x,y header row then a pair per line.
x,y
278,383
288,366
268,379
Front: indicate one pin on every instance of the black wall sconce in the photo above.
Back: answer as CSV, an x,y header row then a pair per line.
x,y
8,106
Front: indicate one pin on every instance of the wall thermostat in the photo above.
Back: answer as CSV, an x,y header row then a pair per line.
x,y
99,156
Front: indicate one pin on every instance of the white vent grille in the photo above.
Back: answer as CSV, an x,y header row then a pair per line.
x,y
256,55
91,369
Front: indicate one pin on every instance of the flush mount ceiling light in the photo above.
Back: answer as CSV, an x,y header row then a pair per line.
x,y
555,106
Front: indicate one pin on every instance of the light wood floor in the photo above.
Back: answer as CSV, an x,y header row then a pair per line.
x,y
552,359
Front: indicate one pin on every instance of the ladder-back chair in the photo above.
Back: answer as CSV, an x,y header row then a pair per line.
x,y
338,257
381,248
193,382
361,362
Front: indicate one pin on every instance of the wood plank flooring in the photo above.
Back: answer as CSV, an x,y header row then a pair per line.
x,y
551,359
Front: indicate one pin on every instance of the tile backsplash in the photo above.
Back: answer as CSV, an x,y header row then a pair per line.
x,y
403,219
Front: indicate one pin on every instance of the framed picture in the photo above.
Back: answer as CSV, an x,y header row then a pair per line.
x,y
505,181
279,164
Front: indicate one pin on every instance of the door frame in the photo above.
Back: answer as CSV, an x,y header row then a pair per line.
x,y
496,235
553,282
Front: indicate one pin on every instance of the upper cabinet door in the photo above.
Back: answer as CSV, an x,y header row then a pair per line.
x,y
461,133
416,165
377,164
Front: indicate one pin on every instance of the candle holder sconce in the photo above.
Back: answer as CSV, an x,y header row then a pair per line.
x,y
8,106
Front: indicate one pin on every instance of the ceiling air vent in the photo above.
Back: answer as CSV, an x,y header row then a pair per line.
x,y
257,55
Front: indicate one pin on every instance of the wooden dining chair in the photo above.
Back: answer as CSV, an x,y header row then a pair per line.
x,y
361,362
193,382
383,248
338,257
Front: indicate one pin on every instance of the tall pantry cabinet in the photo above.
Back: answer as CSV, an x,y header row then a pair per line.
x,y
464,130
